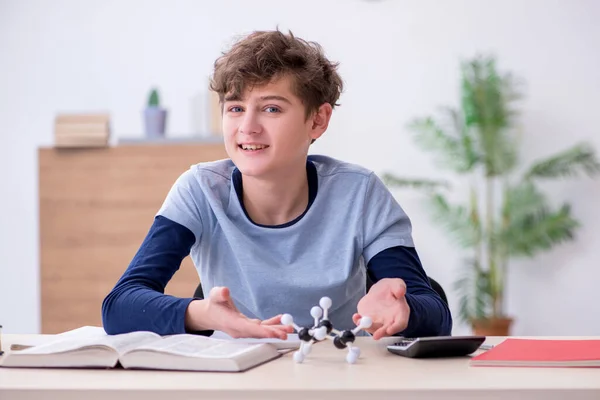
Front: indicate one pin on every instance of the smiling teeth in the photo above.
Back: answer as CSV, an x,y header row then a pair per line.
x,y
253,147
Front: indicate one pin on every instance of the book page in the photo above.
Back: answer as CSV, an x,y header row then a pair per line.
x,y
128,341
120,343
292,342
197,346
79,333
85,331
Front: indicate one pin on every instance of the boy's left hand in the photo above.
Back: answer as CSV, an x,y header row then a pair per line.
x,y
386,305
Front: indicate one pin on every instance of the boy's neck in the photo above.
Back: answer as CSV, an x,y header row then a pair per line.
x,y
277,200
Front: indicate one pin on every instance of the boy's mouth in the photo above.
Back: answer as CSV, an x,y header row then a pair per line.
x,y
253,147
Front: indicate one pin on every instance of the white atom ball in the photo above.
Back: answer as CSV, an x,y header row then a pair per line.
x,y
316,312
325,302
365,322
287,319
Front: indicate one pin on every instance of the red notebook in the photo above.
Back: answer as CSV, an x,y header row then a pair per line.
x,y
541,353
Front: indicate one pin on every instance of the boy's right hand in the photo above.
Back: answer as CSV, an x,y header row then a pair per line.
x,y
218,312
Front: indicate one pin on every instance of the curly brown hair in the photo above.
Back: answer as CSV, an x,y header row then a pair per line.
x,y
264,56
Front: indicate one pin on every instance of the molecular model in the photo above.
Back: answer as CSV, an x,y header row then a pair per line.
x,y
322,329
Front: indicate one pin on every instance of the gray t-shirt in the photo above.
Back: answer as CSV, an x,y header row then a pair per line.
x,y
271,271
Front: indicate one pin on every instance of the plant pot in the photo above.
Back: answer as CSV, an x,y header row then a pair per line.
x,y
155,121
492,327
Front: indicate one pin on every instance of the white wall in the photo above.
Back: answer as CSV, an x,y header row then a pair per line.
x,y
399,59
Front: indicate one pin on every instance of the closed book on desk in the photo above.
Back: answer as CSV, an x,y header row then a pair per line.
x,y
541,353
143,350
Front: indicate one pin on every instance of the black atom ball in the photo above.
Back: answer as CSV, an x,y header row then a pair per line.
x,y
328,324
304,335
337,342
348,337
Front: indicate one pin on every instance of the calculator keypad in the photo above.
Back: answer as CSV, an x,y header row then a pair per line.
x,y
404,342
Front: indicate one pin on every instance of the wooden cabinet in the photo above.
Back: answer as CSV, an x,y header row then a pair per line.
x,y
95,208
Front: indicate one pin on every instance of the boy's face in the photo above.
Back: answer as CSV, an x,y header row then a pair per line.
x,y
267,133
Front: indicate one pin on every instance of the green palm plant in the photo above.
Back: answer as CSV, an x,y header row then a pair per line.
x,y
505,215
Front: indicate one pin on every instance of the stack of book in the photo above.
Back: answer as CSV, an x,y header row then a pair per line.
x,y
81,130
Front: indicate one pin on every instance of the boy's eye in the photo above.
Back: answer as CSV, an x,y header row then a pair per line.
x,y
235,109
272,109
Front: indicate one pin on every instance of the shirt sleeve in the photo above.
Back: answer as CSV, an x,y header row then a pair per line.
x,y
183,203
389,252
138,302
384,223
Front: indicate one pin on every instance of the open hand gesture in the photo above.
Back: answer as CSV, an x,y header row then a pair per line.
x,y
386,304
220,313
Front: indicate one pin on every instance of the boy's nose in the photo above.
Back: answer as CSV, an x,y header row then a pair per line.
x,y
250,124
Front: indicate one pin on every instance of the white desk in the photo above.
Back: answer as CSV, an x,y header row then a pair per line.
x,y
323,376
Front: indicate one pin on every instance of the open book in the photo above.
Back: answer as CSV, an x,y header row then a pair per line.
x,y
291,343
143,350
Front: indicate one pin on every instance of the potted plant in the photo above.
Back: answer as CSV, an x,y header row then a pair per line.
x,y
155,117
505,215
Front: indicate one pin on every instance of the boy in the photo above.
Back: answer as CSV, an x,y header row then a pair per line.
x,y
272,230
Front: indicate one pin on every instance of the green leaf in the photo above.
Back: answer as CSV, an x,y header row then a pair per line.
x,y
474,216
521,201
578,159
540,230
474,292
467,149
465,286
452,151
427,184
486,95
486,103
502,153
483,300
456,219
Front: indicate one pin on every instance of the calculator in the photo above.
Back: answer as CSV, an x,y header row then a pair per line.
x,y
436,346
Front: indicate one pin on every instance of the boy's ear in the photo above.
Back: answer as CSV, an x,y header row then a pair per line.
x,y
320,120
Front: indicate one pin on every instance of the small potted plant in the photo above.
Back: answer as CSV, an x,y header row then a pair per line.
x,y
155,117
505,215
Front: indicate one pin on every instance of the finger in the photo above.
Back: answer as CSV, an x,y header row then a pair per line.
x,y
250,330
356,318
398,288
283,331
284,328
374,328
276,320
379,333
394,328
399,324
277,332
220,294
